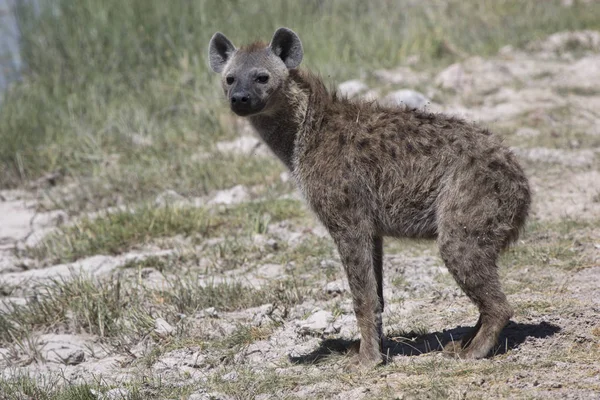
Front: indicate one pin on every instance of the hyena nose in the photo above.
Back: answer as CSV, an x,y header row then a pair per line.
x,y
241,103
237,98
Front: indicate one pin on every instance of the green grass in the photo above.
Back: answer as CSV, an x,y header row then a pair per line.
x,y
107,74
25,388
550,243
119,308
103,308
244,335
117,231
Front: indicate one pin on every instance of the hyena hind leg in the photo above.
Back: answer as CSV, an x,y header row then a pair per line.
x,y
474,269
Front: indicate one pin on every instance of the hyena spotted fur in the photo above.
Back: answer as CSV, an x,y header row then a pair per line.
x,y
369,171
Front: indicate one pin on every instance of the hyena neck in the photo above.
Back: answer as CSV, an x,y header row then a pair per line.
x,y
281,128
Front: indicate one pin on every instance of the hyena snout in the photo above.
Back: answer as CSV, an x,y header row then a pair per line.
x,y
243,104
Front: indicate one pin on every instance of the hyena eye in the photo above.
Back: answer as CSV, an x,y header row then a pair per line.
x,y
262,78
230,80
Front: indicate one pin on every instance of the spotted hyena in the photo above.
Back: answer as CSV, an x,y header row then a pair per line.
x,y
370,171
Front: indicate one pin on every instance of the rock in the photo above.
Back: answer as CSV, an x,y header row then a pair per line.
x,y
352,88
210,312
236,194
168,197
268,244
195,360
271,244
317,323
411,98
346,326
269,271
75,358
335,287
141,140
66,348
230,376
162,328
56,217
267,314
187,361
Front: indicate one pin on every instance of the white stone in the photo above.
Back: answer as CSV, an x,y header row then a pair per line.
x,y
210,312
235,195
317,323
411,98
168,197
352,88
230,376
335,287
141,140
162,328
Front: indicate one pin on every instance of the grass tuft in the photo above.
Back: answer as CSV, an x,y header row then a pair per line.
x,y
115,232
103,308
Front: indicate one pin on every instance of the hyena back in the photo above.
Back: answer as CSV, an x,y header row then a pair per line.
x,y
369,171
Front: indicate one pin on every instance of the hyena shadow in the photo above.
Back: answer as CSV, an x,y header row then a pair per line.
x,y
414,344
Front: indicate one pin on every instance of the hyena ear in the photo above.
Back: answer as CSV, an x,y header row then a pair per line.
x,y
220,50
287,46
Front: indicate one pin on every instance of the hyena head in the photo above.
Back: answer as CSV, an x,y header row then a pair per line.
x,y
253,77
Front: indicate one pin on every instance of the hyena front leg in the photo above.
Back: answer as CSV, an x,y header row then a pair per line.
x,y
356,250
